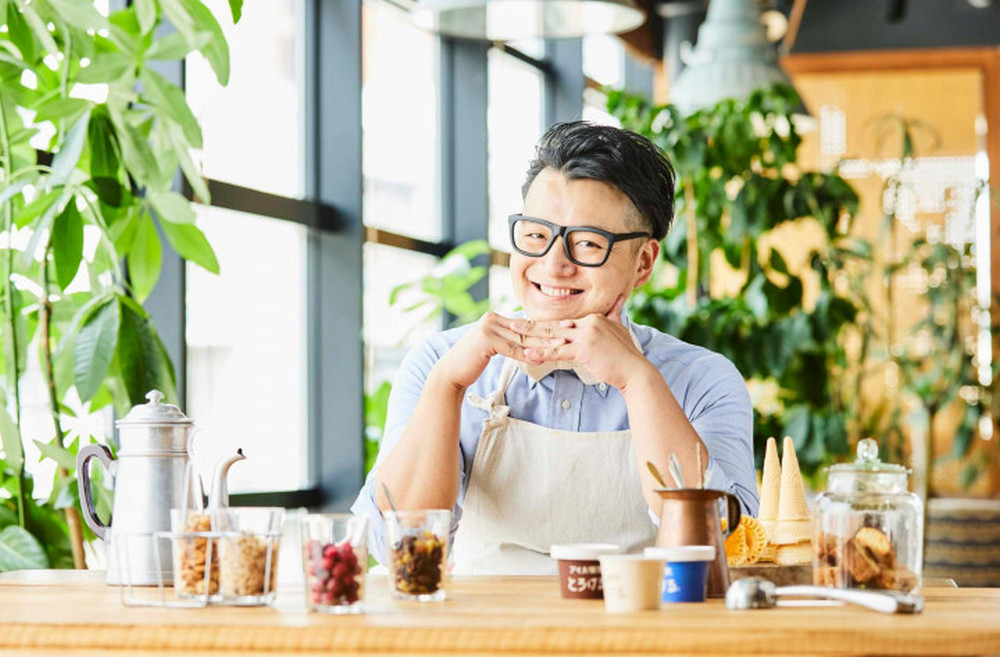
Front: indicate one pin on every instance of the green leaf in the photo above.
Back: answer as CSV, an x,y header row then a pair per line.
x,y
12,190
172,207
95,347
7,516
105,67
57,109
139,357
103,140
145,13
81,15
191,17
42,35
67,245
69,154
138,156
19,550
777,262
62,456
21,34
191,244
10,438
181,149
177,45
145,258
236,7
170,100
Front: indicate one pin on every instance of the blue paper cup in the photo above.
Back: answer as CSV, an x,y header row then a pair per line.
x,y
685,572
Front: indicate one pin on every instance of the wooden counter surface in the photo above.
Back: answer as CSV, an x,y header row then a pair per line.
x,y
76,614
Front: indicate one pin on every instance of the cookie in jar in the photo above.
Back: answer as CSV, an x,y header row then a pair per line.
x,y
869,526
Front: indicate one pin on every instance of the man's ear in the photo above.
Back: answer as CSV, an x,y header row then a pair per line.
x,y
645,260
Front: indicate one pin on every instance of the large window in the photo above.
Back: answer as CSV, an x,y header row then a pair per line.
x,y
515,124
400,119
254,127
246,358
246,332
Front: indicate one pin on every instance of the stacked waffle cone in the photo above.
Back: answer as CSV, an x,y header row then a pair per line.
x,y
784,511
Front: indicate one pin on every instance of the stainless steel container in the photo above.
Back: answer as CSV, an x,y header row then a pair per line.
x,y
149,479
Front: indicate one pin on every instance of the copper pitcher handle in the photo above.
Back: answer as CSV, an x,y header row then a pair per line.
x,y
733,513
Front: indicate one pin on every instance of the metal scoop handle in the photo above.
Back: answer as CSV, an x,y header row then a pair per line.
x,y
889,602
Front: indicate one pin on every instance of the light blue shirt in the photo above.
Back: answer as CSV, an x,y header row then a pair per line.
x,y
706,385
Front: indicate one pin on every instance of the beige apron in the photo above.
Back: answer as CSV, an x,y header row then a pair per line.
x,y
532,486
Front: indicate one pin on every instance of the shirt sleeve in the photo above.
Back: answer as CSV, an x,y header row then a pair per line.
x,y
723,419
407,386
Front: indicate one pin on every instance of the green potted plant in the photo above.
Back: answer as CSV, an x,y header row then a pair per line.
x,y
724,281
90,139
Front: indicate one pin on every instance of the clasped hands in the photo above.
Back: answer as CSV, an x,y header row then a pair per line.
x,y
598,342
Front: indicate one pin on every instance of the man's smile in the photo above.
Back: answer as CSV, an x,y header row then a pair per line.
x,y
556,291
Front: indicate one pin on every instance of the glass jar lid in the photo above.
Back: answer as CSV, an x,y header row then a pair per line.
x,y
154,412
867,473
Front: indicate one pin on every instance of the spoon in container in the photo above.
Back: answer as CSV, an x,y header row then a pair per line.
x,y
760,593
656,474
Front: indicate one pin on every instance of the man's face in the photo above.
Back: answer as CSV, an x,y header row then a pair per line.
x,y
553,287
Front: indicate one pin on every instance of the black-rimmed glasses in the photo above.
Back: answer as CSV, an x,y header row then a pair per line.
x,y
584,246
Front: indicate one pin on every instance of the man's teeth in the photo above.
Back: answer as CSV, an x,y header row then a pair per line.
x,y
557,291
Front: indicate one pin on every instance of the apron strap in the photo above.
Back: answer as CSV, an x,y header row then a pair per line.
x,y
498,398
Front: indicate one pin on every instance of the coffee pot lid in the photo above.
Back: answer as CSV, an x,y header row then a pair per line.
x,y
154,412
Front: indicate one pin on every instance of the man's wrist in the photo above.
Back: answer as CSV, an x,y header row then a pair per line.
x,y
439,380
643,378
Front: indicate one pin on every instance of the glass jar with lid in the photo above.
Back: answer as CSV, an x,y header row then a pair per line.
x,y
869,527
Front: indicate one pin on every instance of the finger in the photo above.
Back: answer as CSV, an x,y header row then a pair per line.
x,y
522,340
615,314
548,329
549,354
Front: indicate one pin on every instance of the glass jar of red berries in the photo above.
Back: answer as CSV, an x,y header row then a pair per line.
x,y
335,557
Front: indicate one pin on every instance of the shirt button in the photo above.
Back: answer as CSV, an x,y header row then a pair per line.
x,y
602,386
565,405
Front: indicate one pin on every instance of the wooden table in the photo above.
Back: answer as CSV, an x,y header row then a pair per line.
x,y
76,614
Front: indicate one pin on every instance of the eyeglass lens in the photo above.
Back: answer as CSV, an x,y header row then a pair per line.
x,y
585,246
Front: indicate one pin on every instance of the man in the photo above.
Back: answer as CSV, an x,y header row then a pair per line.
x,y
536,429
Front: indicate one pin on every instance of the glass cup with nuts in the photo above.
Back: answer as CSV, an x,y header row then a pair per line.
x,y
195,555
248,541
334,560
418,553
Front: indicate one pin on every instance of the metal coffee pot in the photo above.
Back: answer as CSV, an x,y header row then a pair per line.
x,y
151,477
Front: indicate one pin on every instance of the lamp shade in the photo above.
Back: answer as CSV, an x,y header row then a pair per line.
x,y
733,58
509,20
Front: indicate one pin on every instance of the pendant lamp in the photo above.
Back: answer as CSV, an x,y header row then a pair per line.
x,y
732,59
510,20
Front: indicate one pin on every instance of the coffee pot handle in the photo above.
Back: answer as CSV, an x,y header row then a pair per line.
x,y
103,454
733,513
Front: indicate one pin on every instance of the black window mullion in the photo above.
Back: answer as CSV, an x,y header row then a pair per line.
x,y
564,83
464,171
336,396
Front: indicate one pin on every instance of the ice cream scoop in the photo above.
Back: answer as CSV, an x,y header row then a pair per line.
x,y
760,593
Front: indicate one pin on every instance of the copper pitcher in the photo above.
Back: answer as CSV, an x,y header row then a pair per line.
x,y
690,516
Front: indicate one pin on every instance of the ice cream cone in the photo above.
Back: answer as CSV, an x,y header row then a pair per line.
x,y
770,488
794,555
794,523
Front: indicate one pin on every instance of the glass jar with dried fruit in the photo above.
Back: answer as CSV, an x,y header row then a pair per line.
x,y
418,553
334,559
869,526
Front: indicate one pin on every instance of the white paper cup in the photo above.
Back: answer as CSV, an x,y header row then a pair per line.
x,y
631,582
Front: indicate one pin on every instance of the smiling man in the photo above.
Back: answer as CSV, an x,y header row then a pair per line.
x,y
535,429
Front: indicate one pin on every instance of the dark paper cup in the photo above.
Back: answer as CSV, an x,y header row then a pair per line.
x,y
580,570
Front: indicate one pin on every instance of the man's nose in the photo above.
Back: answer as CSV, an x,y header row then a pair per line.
x,y
555,259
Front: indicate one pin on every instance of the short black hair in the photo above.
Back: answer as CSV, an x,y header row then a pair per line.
x,y
629,161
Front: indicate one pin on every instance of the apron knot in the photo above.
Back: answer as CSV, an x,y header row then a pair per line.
x,y
493,405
